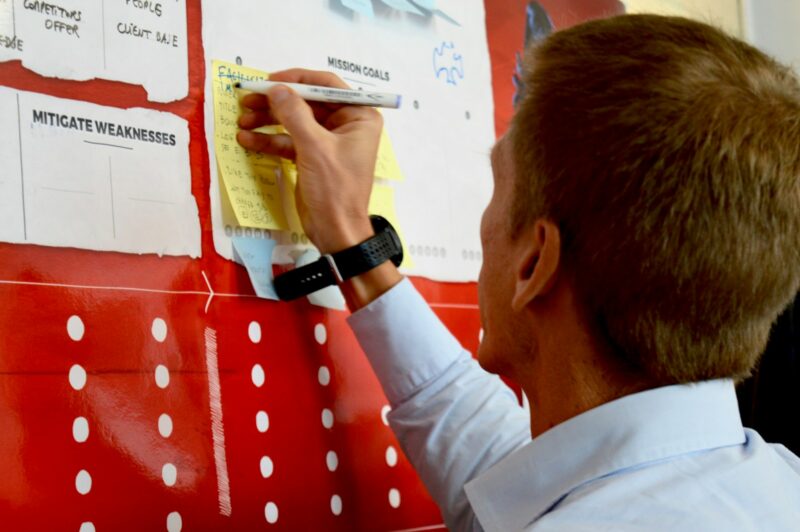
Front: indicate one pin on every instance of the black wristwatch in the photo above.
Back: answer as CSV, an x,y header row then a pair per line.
x,y
336,267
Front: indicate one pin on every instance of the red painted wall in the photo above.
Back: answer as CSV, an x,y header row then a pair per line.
x,y
119,297
505,25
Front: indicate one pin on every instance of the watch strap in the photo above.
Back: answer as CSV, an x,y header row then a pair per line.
x,y
304,280
337,267
367,255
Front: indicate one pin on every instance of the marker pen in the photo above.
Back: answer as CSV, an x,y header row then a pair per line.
x,y
328,94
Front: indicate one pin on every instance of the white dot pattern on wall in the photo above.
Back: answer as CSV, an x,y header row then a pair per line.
x,y
254,332
336,505
174,522
324,376
271,513
159,330
165,425
77,377
332,461
162,376
257,375
320,333
394,498
327,418
384,413
80,429
87,526
266,466
75,328
83,482
169,474
391,456
262,421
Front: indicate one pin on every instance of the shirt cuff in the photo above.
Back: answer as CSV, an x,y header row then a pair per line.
x,y
405,341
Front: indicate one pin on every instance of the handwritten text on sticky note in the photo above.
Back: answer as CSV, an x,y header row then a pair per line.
x,y
249,178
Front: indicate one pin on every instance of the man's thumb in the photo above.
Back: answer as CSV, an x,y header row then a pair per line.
x,y
292,112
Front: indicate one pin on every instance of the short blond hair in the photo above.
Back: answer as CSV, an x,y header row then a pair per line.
x,y
669,155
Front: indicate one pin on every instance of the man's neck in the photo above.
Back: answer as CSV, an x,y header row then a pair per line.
x,y
565,383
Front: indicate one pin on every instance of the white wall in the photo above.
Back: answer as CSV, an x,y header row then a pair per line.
x,y
722,13
774,26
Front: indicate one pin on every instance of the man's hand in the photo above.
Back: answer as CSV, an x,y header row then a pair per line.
x,y
334,147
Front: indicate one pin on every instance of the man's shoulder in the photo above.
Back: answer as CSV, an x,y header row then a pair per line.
x,y
788,456
754,486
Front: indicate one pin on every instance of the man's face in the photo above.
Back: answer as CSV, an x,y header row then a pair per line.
x,y
497,277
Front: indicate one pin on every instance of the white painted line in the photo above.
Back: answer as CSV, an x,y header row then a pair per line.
x,y
93,287
210,293
454,305
124,289
420,529
211,290
217,429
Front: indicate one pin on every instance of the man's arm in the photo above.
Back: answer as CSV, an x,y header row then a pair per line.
x,y
334,148
453,419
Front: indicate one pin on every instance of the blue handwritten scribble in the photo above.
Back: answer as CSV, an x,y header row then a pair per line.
x,y
448,64
387,8
538,25
227,73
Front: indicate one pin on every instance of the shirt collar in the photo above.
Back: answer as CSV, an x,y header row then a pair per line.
x,y
633,430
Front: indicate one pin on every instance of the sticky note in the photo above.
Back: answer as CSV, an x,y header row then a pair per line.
x,y
360,6
386,166
288,182
381,202
255,254
402,5
426,4
250,179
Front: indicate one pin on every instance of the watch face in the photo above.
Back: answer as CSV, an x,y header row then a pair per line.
x,y
379,223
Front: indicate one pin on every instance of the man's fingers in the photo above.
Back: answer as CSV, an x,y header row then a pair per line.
x,y
258,104
255,101
254,119
309,77
280,145
351,114
294,114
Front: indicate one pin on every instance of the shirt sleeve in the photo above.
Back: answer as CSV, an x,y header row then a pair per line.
x,y
453,419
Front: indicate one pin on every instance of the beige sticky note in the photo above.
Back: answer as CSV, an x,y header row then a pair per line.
x,y
288,185
250,179
381,202
386,166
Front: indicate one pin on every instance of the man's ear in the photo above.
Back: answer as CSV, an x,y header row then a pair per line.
x,y
539,258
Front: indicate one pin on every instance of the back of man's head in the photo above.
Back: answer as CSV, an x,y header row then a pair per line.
x,y
669,155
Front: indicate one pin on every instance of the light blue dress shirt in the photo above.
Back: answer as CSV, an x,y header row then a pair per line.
x,y
671,458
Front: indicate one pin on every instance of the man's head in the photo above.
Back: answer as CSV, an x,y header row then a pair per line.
x,y
667,155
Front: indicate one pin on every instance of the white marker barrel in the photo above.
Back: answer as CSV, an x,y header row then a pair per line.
x,y
316,93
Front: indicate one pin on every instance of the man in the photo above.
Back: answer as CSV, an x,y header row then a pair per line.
x,y
643,234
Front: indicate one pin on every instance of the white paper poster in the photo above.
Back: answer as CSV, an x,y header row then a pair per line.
x,y
87,176
134,41
437,60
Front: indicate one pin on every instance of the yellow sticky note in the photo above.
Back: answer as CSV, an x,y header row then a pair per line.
x,y
249,178
289,183
381,202
386,166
